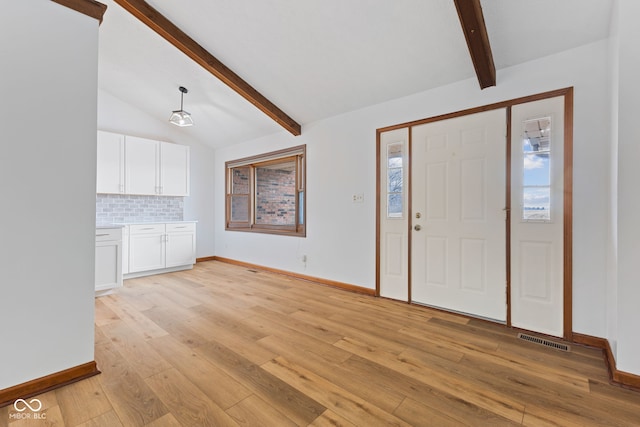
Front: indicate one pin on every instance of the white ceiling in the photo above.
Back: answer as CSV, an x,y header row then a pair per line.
x,y
317,59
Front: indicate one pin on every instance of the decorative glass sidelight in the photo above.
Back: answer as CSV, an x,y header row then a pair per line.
x,y
395,180
536,170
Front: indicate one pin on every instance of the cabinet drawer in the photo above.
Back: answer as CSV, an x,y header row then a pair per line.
x,y
180,227
146,229
105,234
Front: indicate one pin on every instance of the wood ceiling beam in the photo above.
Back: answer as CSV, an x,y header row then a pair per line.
x,y
174,35
475,32
90,8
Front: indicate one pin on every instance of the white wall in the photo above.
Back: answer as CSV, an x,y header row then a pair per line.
x,y
115,115
340,243
627,314
48,56
612,229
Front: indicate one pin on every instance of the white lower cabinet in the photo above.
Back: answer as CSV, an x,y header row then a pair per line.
x,y
154,248
180,244
146,247
108,267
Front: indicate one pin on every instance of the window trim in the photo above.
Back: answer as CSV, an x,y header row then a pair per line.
x,y
298,155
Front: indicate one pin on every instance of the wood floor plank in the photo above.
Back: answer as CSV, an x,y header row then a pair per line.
x,y
231,321
51,416
434,398
269,298
134,295
240,344
351,330
82,401
417,414
331,396
469,341
165,421
552,417
221,388
616,396
303,342
315,331
103,314
360,385
178,297
297,406
331,419
98,336
425,345
140,356
130,397
49,412
188,404
166,305
133,317
564,382
569,361
487,399
254,411
384,307
175,325
108,419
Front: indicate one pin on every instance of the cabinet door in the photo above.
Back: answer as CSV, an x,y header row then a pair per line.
x,y
108,273
174,169
146,252
181,249
141,161
110,163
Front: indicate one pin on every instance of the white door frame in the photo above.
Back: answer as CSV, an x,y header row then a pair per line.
x,y
567,93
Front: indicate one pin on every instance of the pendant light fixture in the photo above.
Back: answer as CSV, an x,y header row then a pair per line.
x,y
180,117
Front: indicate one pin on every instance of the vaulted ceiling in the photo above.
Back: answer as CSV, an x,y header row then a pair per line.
x,y
317,59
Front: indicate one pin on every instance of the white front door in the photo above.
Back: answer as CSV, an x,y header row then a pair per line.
x,y
537,190
458,240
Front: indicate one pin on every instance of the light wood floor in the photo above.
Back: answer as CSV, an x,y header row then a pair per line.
x,y
221,345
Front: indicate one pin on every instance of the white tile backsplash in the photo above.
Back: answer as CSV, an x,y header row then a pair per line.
x,y
115,208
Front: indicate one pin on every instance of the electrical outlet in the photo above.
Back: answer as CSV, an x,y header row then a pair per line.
x,y
358,198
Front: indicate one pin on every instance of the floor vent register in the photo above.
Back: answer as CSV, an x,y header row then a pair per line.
x,y
542,341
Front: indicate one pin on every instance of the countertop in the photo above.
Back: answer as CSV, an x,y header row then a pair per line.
x,y
123,224
152,222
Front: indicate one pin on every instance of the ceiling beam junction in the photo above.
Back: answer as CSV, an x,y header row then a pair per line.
x,y
90,8
174,35
475,32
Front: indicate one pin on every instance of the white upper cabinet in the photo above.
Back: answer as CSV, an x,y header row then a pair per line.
x,y
142,172
110,165
132,165
174,169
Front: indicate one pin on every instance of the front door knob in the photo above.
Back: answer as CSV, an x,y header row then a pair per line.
x,y
417,227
